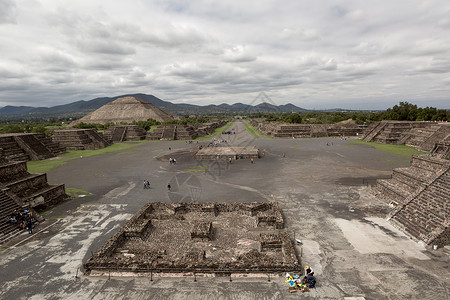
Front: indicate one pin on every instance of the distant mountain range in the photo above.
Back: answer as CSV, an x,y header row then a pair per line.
x,y
81,108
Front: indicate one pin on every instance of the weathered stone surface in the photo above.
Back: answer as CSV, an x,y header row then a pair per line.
x,y
187,237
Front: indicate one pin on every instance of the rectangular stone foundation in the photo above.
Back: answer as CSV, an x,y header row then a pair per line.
x,y
212,153
181,238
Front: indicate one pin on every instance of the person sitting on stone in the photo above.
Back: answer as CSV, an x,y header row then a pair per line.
x,y
311,280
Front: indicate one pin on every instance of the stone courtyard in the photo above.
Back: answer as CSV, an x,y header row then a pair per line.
x,y
323,192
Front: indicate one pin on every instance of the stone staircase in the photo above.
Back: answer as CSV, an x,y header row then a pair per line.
x,y
32,189
7,207
117,134
168,133
80,139
55,148
11,150
441,150
425,215
406,181
33,147
97,139
184,132
28,146
441,135
373,130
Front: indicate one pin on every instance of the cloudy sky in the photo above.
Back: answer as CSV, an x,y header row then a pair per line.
x,y
314,54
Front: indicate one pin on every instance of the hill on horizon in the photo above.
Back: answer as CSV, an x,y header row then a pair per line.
x,y
81,108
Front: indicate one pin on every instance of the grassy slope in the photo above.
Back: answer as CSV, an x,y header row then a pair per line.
x,y
43,166
402,150
254,132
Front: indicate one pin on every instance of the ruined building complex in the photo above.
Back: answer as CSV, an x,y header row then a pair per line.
x,y
184,132
285,130
212,239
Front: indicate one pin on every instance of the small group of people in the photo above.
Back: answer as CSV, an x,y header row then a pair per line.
x,y
146,184
23,218
172,161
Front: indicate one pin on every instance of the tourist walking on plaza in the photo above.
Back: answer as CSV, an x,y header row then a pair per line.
x,y
168,186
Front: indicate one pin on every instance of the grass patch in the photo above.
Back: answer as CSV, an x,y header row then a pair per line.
x,y
46,212
254,132
76,193
152,128
215,133
401,150
43,166
2,249
196,170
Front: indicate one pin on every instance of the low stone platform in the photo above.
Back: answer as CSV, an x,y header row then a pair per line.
x,y
211,153
216,238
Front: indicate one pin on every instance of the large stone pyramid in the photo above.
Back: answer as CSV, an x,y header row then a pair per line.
x,y
126,109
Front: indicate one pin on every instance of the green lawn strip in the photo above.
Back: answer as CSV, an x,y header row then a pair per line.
x,y
195,170
401,150
43,166
255,132
153,127
215,133
76,193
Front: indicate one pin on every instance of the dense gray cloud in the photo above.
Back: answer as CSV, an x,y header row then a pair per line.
x,y
315,54
7,11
